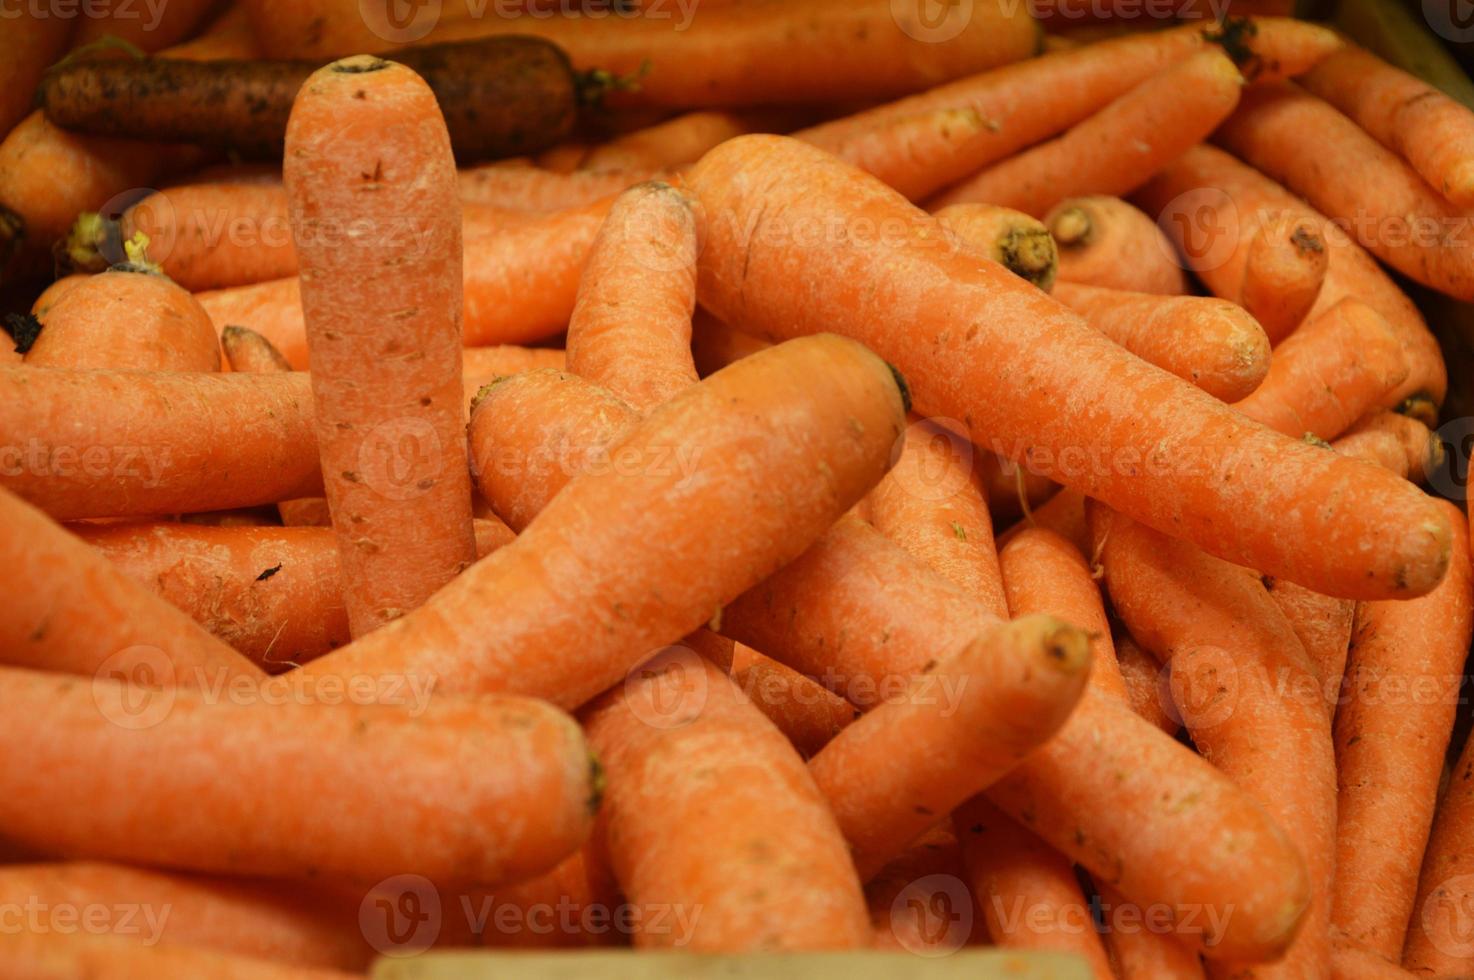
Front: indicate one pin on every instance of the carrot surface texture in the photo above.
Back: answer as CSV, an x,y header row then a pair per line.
x,y
367,150
978,345
1104,241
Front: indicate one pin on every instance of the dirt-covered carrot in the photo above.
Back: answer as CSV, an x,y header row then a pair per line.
x,y
809,714
63,954
1103,241
384,328
34,37
1395,442
283,923
1392,731
630,331
247,351
1016,241
518,187
130,444
1329,373
899,769
1120,147
1021,363
1212,343
1387,207
1405,114
708,807
1437,931
1247,691
714,344
845,414
501,97
288,753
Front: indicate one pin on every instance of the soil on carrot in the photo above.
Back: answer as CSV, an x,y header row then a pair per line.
x,y
23,329
1233,36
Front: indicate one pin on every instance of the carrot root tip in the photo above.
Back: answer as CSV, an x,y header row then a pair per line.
x,y
1421,407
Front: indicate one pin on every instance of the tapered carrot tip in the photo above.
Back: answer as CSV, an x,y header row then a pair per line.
x,y
1066,648
1422,408
1070,226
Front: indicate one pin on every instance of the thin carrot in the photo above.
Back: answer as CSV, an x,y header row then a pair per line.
x,y
807,713
1103,241
1146,688
1395,442
1387,207
1022,362
33,39
58,955
249,352
1392,731
1329,373
743,835
1212,343
384,328
676,141
714,345
1432,132
962,724
1117,149
129,444
631,325
1016,241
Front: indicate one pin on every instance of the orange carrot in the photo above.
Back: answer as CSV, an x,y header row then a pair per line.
x,y
565,157
59,955
518,187
1352,962
1212,343
1385,205
384,327
1139,948
288,752
957,728
714,345
1392,731
271,309
1120,147
918,902
1432,132
675,141
1323,625
1064,514
1014,240
1103,241
129,444
1329,373
1284,270
34,37
631,326
743,834
1395,442
249,352
504,359
1022,365
1013,488
1146,688
808,714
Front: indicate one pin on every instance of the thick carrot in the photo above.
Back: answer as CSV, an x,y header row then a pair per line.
x,y
1023,364
962,724
714,345
931,504
34,37
1386,207
676,141
1120,147
1016,241
1329,373
1216,193
119,444
1431,131
1212,343
518,187
1323,625
384,329
1395,442
1392,731
456,819
1284,271
147,29
631,325
1103,241
130,318
58,955
808,714
709,808
1247,691
263,919
824,410
247,351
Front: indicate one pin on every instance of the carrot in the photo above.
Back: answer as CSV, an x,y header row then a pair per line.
x,y
1141,950
54,292
248,918
501,97
1392,730
128,444
384,329
1103,241
743,834
1016,112
581,889
733,55
676,141
274,594
1329,373
1323,625
714,345
1395,442
565,157
907,152
249,352
130,318
34,38
1019,243
1064,514
1023,361
289,750
631,326
1247,691
145,28
59,955
1217,192
930,504
832,435
1027,891
518,187
1013,488
900,768
113,624
1352,962
808,714
504,359
1120,147
272,309
1212,343
1284,271
918,902
1432,132
1385,205
1146,690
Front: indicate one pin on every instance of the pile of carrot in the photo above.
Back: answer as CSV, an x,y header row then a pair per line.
x,y
866,482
